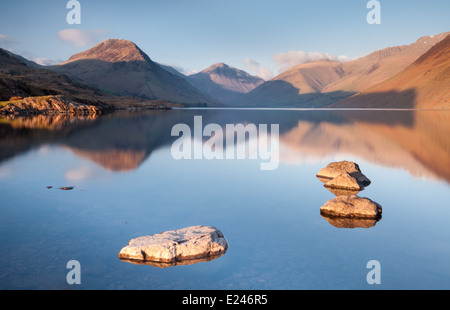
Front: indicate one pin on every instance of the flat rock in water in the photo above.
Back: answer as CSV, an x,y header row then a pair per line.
x,y
335,169
352,207
191,243
344,181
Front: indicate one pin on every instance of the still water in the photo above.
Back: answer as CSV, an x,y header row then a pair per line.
x,y
127,183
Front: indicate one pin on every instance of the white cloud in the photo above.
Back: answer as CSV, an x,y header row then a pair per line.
x,y
176,67
190,72
45,61
6,40
289,59
258,69
182,69
81,38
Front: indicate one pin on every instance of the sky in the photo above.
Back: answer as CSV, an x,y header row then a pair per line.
x,y
259,36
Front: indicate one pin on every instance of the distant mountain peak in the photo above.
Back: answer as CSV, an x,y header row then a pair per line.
x,y
218,67
113,50
120,67
223,82
221,70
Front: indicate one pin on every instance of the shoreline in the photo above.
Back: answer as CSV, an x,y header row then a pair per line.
x,y
53,105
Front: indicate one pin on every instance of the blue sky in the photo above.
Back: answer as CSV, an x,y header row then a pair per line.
x,y
259,36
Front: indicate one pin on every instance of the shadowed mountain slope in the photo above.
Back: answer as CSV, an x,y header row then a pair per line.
x,y
320,83
427,80
120,67
23,78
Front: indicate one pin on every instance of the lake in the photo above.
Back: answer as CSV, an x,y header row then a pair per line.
x,y
126,182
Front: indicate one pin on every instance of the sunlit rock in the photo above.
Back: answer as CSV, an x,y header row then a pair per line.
x,y
191,243
335,169
352,207
51,105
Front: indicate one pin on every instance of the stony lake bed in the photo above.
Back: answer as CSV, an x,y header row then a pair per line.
x,y
125,183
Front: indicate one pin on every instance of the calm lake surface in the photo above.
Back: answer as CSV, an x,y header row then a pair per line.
x,y
126,183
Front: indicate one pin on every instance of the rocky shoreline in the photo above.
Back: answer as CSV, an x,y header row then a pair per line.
x,y
51,105
60,105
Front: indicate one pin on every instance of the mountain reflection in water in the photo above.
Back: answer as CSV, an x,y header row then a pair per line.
x,y
416,141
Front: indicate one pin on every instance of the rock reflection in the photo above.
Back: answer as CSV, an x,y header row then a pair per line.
x,y
48,122
341,222
342,192
347,210
413,140
166,265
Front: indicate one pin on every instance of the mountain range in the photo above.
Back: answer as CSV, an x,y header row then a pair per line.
x,y
25,83
120,73
120,67
320,83
423,84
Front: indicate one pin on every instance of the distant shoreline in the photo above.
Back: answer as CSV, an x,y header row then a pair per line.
x,y
311,109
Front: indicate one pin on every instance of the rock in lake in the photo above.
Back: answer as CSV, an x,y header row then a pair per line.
x,y
344,181
352,207
335,169
191,243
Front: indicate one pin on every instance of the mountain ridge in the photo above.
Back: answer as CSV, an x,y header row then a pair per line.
x,y
120,67
320,83
423,84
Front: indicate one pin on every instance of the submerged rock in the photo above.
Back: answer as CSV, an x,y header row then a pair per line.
x,y
66,188
344,181
352,207
191,243
335,169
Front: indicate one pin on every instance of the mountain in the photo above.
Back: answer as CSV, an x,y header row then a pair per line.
x,y
381,65
300,86
39,90
224,83
22,78
320,83
423,84
120,67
